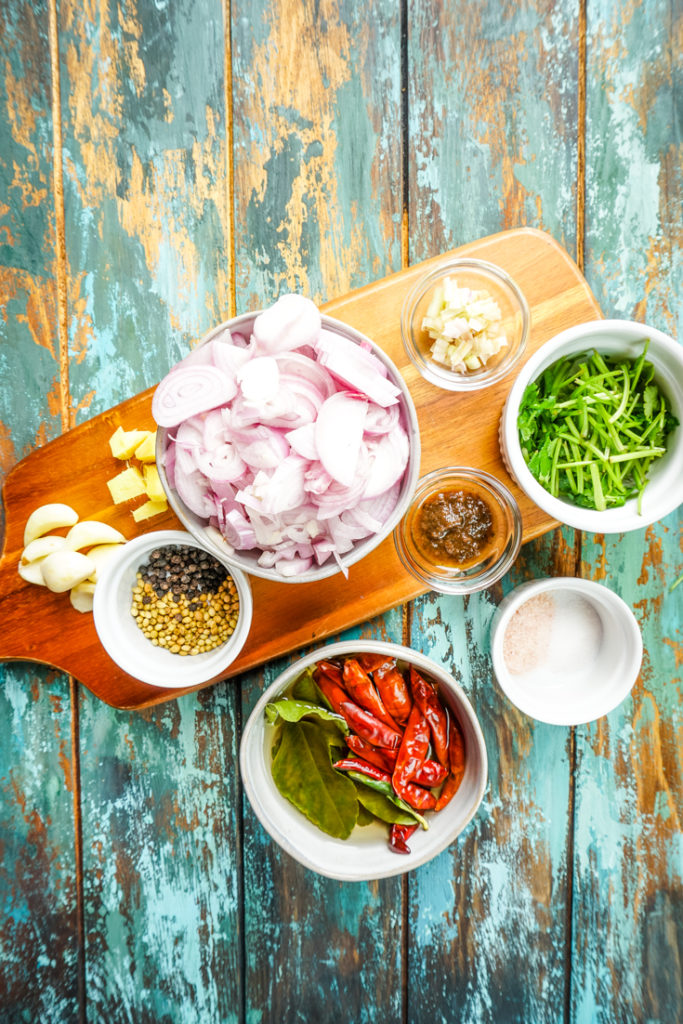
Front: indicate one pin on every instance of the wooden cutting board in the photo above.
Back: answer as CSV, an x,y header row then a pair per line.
x,y
456,429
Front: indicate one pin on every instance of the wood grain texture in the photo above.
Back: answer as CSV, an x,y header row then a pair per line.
x,y
493,118
147,234
628,872
296,614
39,942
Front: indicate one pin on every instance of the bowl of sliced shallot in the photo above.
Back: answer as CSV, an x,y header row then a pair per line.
x,y
288,442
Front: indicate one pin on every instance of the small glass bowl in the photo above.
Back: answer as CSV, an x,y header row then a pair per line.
x,y
497,553
479,276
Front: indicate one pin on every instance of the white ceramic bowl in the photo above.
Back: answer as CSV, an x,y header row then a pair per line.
x,y
664,491
565,651
247,561
365,854
125,643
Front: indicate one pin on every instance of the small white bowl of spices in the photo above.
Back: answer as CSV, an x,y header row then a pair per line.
x,y
170,613
565,651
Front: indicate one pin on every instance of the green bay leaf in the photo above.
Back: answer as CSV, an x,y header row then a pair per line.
x,y
303,773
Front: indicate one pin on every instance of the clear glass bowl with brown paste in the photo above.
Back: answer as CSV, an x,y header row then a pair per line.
x,y
462,531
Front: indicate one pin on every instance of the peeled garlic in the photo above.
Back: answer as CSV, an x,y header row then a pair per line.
x,y
65,569
41,548
33,554
32,572
46,518
100,555
82,596
90,532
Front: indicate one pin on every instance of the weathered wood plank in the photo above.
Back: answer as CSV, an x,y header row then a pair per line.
x,y
628,866
317,210
38,919
492,136
148,242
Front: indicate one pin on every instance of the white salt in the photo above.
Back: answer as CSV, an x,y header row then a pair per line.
x,y
556,636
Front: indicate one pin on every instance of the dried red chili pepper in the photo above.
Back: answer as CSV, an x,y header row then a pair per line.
x,y
368,727
412,754
456,754
431,773
383,758
428,701
360,688
371,662
356,764
393,690
398,837
329,688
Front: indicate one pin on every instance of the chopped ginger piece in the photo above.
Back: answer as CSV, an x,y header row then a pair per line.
x,y
123,443
155,492
146,452
149,509
126,485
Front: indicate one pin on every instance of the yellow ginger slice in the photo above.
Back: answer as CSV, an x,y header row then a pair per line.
x,y
123,443
126,485
146,452
149,509
155,491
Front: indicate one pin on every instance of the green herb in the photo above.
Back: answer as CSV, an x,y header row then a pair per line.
x,y
294,710
379,806
591,426
303,773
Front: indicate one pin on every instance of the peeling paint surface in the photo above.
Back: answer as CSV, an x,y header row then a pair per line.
x,y
164,165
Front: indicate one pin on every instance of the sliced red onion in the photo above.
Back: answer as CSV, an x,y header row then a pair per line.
x,y
259,380
261,447
388,460
188,390
302,441
338,435
291,322
193,489
238,531
356,368
381,420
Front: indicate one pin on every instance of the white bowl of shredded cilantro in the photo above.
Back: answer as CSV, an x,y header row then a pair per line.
x,y
591,430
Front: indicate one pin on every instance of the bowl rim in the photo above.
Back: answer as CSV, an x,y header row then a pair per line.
x,y
517,597
441,376
413,860
110,634
618,520
331,567
495,572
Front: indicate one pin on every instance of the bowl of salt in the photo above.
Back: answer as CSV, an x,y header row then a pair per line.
x,y
565,651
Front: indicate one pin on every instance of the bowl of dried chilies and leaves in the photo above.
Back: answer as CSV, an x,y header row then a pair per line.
x,y
364,759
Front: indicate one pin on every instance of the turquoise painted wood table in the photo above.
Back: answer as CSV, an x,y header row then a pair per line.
x,y
164,165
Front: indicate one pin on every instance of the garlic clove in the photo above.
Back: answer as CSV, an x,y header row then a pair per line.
x,y
32,572
82,596
46,518
65,569
41,547
100,555
90,532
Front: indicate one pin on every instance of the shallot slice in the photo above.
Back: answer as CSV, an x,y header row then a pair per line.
x,y
190,389
338,435
356,368
289,323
